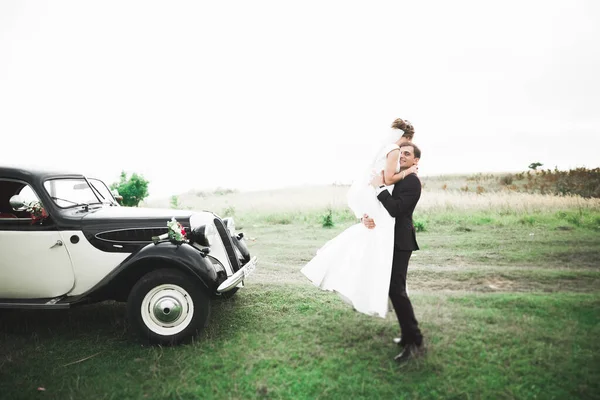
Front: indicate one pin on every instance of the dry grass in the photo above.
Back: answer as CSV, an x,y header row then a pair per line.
x,y
309,198
440,200
288,199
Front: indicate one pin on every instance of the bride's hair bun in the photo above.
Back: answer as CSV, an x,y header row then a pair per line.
x,y
405,126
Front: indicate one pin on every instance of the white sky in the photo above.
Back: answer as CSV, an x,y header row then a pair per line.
x,y
266,94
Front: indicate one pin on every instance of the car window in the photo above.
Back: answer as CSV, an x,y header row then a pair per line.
x,y
10,188
69,192
105,194
27,194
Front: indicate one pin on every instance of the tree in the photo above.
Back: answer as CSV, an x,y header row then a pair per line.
x,y
133,190
175,201
534,165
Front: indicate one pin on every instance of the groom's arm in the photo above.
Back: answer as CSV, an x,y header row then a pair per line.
x,y
406,200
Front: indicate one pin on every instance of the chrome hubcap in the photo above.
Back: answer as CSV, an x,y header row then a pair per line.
x,y
167,309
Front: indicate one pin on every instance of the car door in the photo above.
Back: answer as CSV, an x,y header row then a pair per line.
x,y
34,263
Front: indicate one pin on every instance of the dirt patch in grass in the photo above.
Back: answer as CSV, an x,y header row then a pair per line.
x,y
484,279
498,284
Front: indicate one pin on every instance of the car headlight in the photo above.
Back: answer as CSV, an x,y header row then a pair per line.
x,y
230,224
203,234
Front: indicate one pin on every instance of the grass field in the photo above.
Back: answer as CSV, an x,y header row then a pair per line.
x,y
506,288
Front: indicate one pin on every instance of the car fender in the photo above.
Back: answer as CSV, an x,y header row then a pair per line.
x,y
117,284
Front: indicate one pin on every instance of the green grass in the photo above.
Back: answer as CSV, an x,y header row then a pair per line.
x,y
506,314
290,342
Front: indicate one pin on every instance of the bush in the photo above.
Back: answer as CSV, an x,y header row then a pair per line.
x,y
223,191
580,181
229,211
506,180
133,190
279,219
419,226
528,220
327,219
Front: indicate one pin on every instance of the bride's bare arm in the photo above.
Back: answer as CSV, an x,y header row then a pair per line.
x,y
390,176
389,171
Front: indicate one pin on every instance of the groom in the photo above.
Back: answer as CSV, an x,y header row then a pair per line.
x,y
401,204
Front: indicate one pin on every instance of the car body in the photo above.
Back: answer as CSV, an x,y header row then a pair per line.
x,y
65,241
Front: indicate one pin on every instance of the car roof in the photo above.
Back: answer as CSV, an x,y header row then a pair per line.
x,y
23,172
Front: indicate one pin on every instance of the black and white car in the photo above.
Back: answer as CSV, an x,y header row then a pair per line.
x,y
65,241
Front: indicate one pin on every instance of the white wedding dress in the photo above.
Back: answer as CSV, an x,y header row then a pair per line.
x,y
357,264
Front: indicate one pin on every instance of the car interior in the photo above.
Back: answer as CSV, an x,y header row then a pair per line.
x,y
7,190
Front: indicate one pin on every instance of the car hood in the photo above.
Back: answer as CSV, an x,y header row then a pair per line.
x,y
136,214
126,229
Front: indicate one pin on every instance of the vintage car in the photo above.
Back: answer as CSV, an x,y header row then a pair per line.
x,y
65,241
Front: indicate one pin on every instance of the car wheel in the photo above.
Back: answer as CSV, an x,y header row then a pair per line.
x,y
166,306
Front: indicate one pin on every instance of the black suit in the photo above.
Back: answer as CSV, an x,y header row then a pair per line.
x,y
401,204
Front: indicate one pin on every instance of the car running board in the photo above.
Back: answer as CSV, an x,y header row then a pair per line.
x,y
238,277
34,303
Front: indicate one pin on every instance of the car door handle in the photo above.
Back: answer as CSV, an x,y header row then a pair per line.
x,y
58,243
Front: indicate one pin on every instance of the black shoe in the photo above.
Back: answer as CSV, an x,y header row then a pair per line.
x,y
398,340
411,351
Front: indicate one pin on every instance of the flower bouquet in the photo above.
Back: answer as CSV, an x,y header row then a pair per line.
x,y
37,211
175,234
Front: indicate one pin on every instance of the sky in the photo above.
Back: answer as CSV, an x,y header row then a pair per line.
x,y
196,95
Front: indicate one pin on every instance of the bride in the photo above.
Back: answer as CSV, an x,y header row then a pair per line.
x,y
357,264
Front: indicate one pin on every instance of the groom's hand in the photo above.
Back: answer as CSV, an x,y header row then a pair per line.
x,y
368,222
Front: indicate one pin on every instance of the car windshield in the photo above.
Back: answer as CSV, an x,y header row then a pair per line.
x,y
102,191
71,192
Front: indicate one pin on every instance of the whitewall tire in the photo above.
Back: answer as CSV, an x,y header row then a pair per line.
x,y
167,306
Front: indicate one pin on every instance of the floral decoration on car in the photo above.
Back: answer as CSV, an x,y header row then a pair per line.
x,y
176,233
37,211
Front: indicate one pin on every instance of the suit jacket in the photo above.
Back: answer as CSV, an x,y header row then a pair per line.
x,y
401,204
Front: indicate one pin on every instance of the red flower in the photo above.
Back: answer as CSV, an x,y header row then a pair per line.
x,y
37,211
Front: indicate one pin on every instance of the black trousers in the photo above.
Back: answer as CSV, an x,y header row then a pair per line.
x,y
404,311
